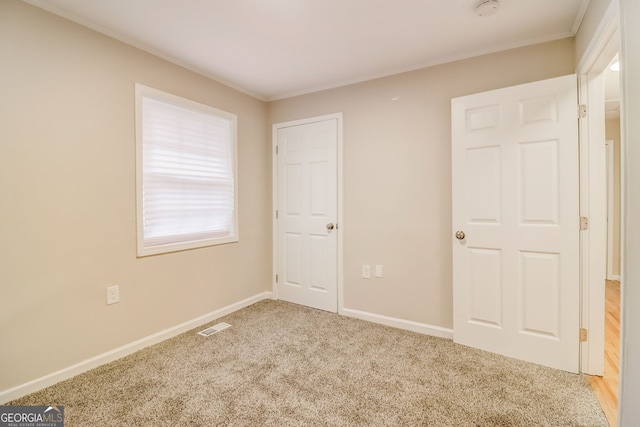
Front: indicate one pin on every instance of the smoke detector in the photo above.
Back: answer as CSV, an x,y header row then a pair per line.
x,y
487,7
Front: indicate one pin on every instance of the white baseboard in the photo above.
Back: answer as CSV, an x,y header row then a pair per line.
x,y
409,325
125,350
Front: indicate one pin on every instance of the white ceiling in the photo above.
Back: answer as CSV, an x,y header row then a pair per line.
x,y
278,48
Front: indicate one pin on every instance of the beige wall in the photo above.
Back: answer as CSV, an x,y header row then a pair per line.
x,y
589,26
67,199
397,184
612,132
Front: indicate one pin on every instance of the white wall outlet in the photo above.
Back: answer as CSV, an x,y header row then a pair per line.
x,y
366,272
379,271
113,294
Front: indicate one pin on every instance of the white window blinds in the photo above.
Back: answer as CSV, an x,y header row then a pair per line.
x,y
186,174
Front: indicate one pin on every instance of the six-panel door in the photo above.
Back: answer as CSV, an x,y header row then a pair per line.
x,y
516,197
307,213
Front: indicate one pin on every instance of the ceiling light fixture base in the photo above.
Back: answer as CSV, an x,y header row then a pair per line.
x,y
487,7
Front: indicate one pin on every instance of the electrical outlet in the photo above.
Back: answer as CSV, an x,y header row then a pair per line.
x,y
379,271
113,294
366,271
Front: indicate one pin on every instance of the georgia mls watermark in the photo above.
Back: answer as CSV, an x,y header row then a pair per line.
x,y
31,416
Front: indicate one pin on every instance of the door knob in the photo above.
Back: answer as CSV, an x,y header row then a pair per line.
x,y
459,234
330,226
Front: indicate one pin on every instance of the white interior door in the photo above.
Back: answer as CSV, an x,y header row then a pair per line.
x,y
307,212
516,199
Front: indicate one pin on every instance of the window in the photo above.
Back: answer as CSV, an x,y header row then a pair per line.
x,y
186,167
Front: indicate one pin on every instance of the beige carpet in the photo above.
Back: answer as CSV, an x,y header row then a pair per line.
x,y
281,364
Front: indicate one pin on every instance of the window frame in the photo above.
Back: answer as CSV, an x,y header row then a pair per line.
x,y
141,92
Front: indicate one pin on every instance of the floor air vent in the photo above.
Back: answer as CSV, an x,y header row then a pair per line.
x,y
213,329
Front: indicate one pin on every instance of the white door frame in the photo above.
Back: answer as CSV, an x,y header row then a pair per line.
x,y
340,193
600,52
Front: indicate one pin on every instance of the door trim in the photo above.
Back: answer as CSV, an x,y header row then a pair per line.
x,y
601,50
340,193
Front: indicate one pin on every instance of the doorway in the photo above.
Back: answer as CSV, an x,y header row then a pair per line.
x,y
600,298
606,386
611,81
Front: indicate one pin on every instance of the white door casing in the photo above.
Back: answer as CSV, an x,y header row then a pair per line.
x,y
307,225
515,181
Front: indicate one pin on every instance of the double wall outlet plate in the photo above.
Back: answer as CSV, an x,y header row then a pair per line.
x,y
366,271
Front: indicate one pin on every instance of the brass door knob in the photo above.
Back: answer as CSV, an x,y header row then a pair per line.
x,y
459,234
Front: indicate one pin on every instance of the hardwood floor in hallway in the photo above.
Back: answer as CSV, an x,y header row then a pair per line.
x,y
606,387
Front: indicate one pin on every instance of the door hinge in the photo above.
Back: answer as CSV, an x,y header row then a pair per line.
x,y
584,223
582,111
583,334
276,214
276,278
276,150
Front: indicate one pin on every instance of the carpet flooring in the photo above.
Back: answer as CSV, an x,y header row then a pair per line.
x,y
281,364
